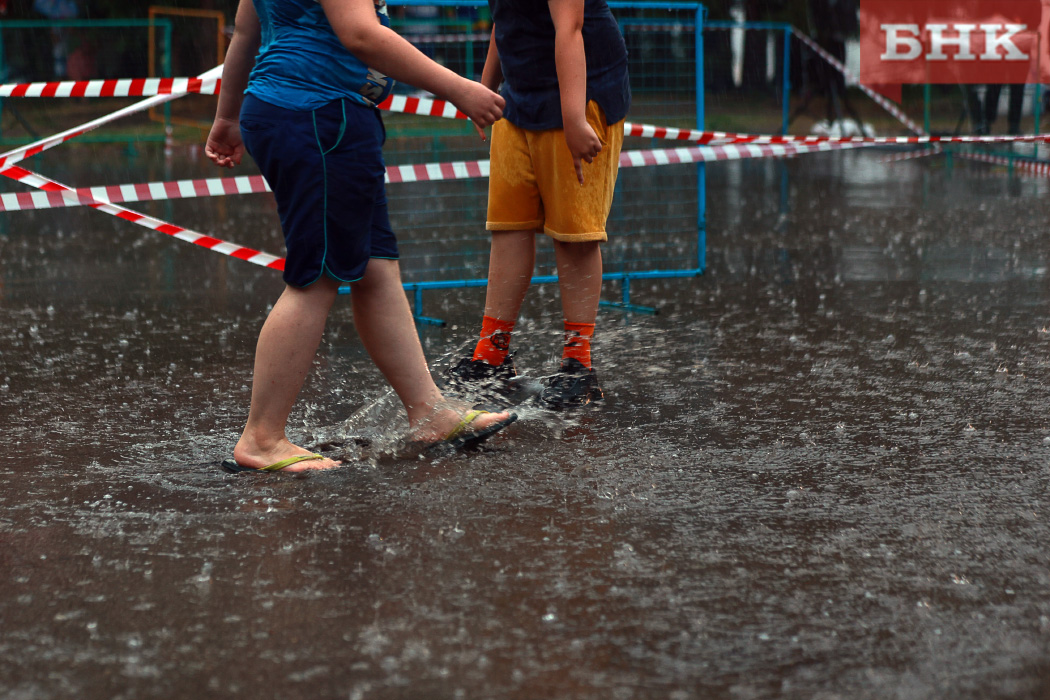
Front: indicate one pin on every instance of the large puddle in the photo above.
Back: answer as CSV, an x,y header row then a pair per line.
x,y
821,470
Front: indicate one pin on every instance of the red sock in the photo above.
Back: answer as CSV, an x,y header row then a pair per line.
x,y
578,342
495,341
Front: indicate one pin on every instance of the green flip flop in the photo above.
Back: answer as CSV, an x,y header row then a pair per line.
x,y
231,465
460,438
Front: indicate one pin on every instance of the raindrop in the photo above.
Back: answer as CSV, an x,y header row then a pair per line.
x,y
205,575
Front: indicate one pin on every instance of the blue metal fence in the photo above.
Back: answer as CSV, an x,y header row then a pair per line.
x,y
441,225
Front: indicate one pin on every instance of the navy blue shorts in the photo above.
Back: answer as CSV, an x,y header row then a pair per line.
x,y
326,170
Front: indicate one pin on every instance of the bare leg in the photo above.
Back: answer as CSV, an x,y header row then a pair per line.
x,y
579,279
285,351
511,262
384,322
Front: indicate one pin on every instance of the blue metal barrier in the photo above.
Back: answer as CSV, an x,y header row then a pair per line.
x,y
698,12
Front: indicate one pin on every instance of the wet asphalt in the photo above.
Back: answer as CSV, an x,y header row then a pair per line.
x,y
820,471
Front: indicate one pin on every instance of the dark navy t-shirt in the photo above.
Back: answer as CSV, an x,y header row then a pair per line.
x,y
525,41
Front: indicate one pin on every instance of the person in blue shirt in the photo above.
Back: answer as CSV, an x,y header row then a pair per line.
x,y
300,86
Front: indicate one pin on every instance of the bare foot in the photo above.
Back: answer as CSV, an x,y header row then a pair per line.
x,y
445,418
256,458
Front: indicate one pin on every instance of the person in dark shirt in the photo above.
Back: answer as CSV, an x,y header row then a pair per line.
x,y
554,161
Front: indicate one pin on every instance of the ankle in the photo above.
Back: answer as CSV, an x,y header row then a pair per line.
x,y
578,342
257,442
494,344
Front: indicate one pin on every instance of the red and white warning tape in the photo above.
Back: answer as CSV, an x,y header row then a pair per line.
x,y
1040,168
397,103
441,108
913,155
183,234
425,172
133,87
707,154
430,172
54,194
841,68
426,39
421,105
147,192
18,154
670,133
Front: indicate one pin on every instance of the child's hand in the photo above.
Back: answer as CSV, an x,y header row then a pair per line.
x,y
481,105
224,146
583,144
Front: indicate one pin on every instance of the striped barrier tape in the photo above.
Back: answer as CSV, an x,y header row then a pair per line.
x,y
146,192
1023,165
838,65
127,87
156,86
421,105
427,39
183,234
441,108
425,172
395,103
913,155
725,137
21,153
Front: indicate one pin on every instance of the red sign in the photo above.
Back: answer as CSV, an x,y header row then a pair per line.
x,y
935,42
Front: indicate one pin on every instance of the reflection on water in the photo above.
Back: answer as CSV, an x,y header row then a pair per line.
x,y
821,471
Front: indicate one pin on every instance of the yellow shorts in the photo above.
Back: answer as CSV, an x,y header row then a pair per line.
x,y
533,185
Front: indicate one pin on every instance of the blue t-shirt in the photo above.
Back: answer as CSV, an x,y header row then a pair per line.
x,y
525,42
302,65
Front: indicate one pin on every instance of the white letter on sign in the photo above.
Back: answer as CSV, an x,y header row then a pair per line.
x,y
894,41
938,41
992,42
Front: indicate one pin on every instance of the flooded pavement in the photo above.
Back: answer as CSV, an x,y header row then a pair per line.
x,y
821,470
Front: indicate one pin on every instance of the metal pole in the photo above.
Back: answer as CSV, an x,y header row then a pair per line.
x,y
701,168
168,41
926,108
1037,115
787,81
3,76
